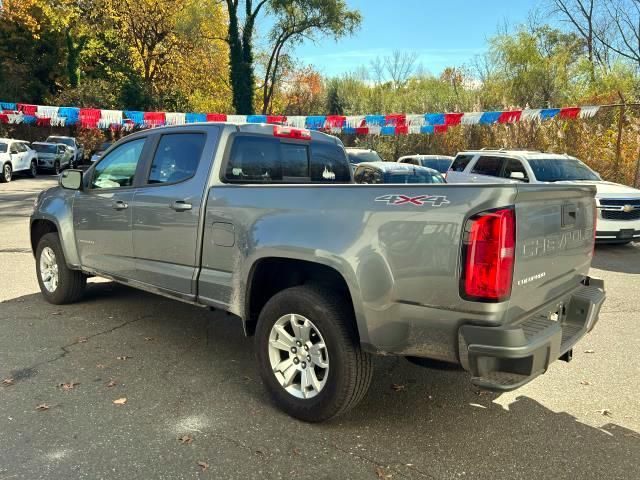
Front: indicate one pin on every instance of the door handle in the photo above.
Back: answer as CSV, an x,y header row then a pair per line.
x,y
120,205
181,206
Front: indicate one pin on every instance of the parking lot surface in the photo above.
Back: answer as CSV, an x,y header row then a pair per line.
x,y
195,407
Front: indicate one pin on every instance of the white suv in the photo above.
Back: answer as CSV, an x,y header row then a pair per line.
x,y
16,156
618,205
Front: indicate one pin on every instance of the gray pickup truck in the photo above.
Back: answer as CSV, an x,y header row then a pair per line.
x,y
265,222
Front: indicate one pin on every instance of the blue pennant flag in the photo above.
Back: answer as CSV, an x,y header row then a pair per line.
x,y
195,117
488,118
434,118
549,113
315,122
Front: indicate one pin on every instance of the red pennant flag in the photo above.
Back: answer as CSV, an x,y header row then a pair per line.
x,y
27,109
569,113
216,117
89,117
440,128
510,116
276,119
362,130
451,119
395,120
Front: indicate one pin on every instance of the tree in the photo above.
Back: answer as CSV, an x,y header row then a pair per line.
x,y
303,19
295,20
625,19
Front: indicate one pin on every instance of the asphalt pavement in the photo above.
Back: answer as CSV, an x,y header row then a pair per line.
x,y
195,408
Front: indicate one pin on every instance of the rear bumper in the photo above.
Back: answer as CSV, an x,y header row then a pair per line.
x,y
505,358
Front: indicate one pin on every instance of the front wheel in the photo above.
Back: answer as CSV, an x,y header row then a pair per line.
x,y
56,168
33,170
5,176
309,354
58,283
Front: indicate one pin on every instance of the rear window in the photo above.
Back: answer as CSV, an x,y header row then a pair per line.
x,y
177,157
554,170
44,148
258,159
439,164
490,166
367,156
461,162
417,177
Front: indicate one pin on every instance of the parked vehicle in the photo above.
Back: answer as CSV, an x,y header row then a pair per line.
x,y
16,157
359,155
323,272
440,163
95,156
618,205
53,156
77,150
390,172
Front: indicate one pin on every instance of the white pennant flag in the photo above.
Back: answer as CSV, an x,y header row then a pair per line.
x,y
588,111
471,118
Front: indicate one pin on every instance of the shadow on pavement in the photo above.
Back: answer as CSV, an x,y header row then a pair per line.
x,y
617,258
190,365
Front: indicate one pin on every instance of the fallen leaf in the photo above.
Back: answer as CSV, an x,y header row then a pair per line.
x,y
382,473
123,357
148,339
82,339
68,386
100,365
589,351
8,382
203,465
42,407
120,401
585,382
112,383
296,451
604,412
398,387
185,439
56,313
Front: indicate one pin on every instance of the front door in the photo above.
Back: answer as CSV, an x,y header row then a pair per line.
x,y
166,211
102,212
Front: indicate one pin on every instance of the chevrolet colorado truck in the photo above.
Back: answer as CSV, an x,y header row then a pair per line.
x,y
266,223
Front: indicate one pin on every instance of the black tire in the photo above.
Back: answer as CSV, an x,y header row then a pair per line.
x,y
56,168
33,171
6,174
350,369
71,283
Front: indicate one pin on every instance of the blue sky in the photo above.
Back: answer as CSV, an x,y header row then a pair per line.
x,y
442,33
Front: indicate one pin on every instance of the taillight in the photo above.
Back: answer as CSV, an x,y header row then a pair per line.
x,y
289,132
488,256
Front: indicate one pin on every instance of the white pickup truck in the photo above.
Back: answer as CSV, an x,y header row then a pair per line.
x,y
618,205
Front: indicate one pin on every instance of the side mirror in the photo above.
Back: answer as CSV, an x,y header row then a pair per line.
x,y
517,176
71,179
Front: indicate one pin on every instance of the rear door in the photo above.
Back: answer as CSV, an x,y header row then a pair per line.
x,y
488,169
102,211
166,209
457,171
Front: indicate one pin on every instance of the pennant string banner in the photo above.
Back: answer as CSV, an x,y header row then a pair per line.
x,y
392,124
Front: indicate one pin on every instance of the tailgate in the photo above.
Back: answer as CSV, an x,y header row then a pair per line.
x,y
554,243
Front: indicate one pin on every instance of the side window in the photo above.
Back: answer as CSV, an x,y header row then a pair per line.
x,y
405,160
177,157
512,166
254,159
61,148
461,162
358,175
490,166
13,148
329,163
119,167
21,148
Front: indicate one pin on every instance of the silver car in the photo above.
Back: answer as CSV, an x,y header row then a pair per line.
x,y
52,156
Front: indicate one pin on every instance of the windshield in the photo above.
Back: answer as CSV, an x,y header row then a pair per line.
x,y
557,170
104,146
3,148
44,148
439,164
358,157
415,177
66,141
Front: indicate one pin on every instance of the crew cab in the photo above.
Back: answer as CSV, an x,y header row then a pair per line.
x,y
618,205
76,149
265,222
16,157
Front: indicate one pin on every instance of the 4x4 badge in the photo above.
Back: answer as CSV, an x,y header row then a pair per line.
x,y
420,200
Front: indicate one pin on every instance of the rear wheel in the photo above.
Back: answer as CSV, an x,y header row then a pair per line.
x,y
56,168
58,283
33,170
6,174
309,355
